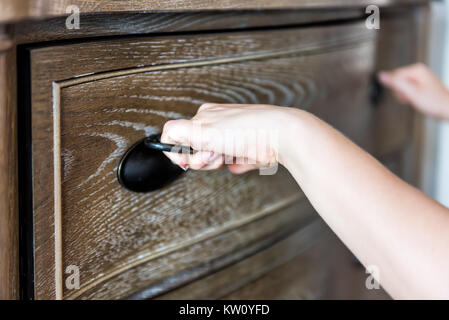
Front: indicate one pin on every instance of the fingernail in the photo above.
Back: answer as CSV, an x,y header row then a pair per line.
x,y
183,166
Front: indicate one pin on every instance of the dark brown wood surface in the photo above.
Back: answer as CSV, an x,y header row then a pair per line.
x,y
312,263
9,232
296,267
394,122
192,262
89,107
398,137
390,124
304,276
94,25
14,10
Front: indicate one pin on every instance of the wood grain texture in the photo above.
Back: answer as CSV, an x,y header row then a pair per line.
x,y
86,58
9,233
275,83
111,233
14,10
310,267
305,253
294,268
202,258
97,25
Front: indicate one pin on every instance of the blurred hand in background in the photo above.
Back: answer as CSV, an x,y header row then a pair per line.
x,y
418,86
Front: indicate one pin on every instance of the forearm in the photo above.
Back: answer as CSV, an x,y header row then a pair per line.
x,y
383,220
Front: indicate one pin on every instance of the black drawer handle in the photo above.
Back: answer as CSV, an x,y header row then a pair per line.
x,y
154,142
377,91
145,168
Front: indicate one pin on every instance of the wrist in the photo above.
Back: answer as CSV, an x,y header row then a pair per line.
x,y
293,136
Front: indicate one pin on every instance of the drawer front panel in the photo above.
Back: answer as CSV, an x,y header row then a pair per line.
x,y
296,267
83,124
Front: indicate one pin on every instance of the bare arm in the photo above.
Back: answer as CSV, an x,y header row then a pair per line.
x,y
384,221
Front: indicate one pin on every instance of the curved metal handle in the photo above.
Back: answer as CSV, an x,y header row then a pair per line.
x,y
145,168
154,142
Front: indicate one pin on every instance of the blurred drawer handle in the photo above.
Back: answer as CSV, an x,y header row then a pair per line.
x,y
377,91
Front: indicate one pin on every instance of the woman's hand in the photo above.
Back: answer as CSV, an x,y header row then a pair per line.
x,y
385,222
418,86
244,137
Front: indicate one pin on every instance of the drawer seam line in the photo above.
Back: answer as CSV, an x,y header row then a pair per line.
x,y
116,271
313,49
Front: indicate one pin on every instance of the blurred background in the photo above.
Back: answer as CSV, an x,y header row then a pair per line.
x,y
435,173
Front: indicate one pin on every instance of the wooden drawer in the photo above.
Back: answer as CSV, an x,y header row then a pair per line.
x,y
90,101
393,123
296,267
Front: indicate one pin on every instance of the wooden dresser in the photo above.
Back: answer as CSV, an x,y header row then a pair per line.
x,y
73,101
